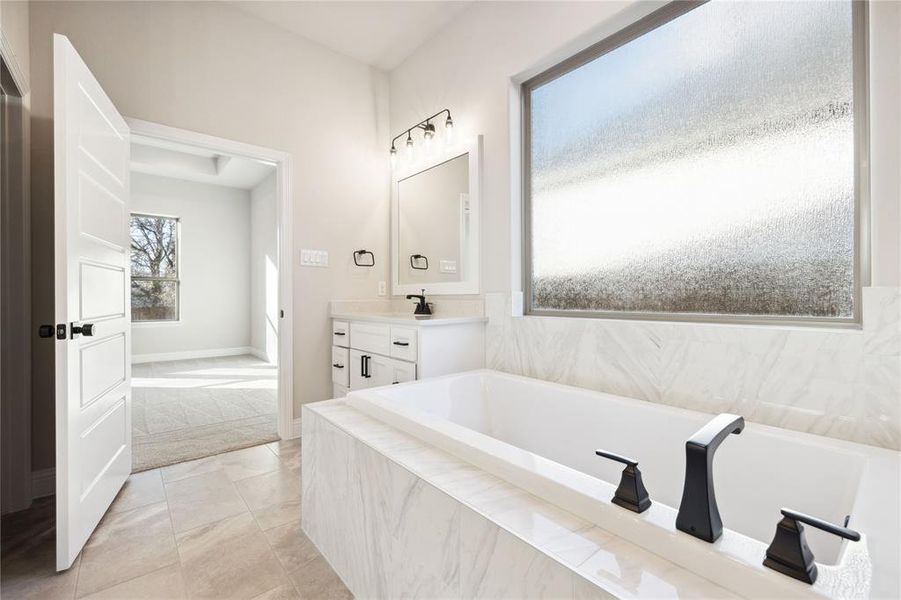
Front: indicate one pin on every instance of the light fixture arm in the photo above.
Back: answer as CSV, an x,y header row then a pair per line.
x,y
421,125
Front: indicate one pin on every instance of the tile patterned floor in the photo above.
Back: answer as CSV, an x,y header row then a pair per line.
x,y
226,526
187,409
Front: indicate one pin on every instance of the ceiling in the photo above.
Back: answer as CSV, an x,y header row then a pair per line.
x,y
180,161
381,34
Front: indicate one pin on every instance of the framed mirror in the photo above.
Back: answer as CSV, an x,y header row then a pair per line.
x,y
435,223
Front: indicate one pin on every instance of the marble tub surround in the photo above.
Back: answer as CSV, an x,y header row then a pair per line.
x,y
442,307
541,437
397,517
841,383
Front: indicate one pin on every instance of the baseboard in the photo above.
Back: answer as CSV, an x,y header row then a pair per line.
x,y
43,483
261,354
162,356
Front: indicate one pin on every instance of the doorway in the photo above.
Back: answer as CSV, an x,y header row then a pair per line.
x,y
209,263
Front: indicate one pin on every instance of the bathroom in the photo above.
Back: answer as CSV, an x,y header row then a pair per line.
x,y
542,262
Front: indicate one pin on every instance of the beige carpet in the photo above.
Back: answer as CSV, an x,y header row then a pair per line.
x,y
189,409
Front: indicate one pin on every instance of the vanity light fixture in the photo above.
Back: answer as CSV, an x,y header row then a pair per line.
x,y
428,132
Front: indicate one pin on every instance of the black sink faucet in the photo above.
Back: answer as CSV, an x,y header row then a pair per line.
x,y
422,307
698,513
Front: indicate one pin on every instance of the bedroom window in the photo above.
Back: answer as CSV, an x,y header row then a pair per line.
x,y
154,268
702,164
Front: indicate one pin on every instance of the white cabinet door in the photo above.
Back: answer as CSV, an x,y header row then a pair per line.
x,y
404,371
380,370
92,305
357,370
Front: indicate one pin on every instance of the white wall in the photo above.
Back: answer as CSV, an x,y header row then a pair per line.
x,y
212,68
834,382
214,255
264,270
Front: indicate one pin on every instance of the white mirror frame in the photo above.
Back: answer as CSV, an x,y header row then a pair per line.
x,y
471,272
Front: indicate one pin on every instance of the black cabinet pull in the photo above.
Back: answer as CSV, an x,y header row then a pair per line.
x,y
401,343
338,333
337,366
364,366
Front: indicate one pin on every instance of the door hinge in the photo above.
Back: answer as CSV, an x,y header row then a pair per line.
x,y
281,314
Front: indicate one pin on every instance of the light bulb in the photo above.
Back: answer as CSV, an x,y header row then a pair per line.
x,y
393,156
428,132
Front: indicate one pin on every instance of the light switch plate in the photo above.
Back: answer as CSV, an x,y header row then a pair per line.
x,y
447,266
313,258
383,288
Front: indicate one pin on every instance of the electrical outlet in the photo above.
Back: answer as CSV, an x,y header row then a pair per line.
x,y
313,258
383,288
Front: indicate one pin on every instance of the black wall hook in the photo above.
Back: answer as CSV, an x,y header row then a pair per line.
x,y
358,254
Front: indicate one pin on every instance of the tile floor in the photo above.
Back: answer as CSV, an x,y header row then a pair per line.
x,y
188,409
226,526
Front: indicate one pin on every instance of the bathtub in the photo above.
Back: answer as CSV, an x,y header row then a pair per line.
x,y
541,437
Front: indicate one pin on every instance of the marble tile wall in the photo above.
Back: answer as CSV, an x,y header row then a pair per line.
x,y
838,383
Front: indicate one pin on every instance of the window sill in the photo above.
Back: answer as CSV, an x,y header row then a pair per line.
x,y
143,324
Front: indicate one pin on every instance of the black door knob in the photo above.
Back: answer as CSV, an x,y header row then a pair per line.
x,y
46,331
85,329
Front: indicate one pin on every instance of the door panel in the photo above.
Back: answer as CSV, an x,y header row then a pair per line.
x,y
93,372
102,292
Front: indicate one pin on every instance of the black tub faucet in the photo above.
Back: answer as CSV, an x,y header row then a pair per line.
x,y
422,307
698,513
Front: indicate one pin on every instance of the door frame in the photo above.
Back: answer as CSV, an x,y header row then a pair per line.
x,y
287,428
16,491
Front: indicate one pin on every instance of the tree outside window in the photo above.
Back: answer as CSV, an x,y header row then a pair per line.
x,y
154,268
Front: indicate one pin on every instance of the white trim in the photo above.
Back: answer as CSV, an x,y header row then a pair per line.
x,y
471,263
43,483
285,217
137,359
19,76
142,324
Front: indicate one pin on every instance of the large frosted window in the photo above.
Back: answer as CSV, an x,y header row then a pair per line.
x,y
706,166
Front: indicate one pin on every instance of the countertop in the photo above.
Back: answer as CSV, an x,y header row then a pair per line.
x,y
405,319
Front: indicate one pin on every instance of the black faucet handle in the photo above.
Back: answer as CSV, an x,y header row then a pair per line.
x,y
631,493
843,532
789,553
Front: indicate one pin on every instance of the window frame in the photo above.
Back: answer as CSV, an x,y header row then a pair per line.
x,y
176,279
646,24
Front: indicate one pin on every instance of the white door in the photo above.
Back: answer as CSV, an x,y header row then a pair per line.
x,y
93,371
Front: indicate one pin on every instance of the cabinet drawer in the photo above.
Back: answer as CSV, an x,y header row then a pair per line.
x,y
340,334
340,367
370,337
403,343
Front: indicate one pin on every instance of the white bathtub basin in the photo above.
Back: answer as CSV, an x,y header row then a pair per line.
x,y
541,436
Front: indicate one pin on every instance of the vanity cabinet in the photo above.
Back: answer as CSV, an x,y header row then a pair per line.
x,y
376,350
